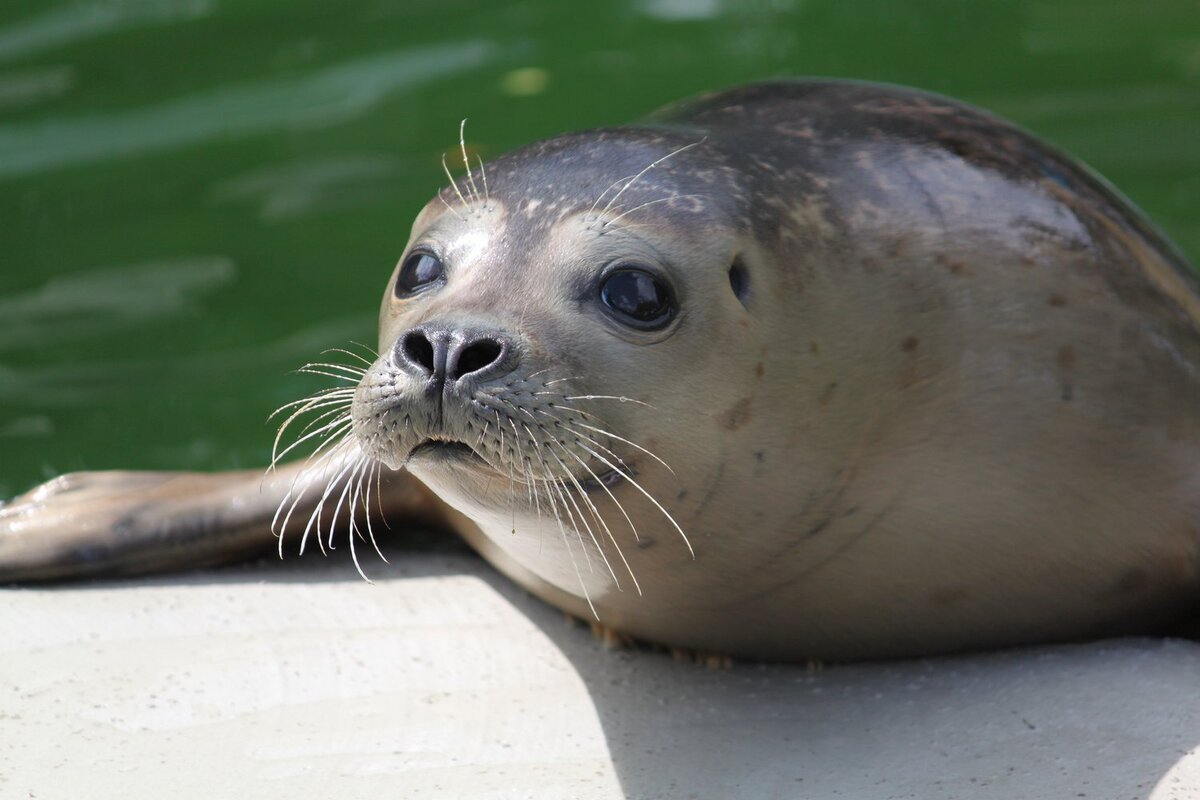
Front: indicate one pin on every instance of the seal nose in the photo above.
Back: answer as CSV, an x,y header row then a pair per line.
x,y
445,355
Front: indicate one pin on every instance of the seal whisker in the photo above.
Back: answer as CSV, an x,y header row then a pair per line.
x,y
368,363
574,526
315,517
338,408
626,441
336,405
379,499
591,211
311,404
342,497
521,460
566,542
552,483
450,208
529,471
596,514
512,483
307,432
646,169
347,391
566,426
487,197
332,443
648,496
304,480
330,429
561,380
613,221
371,351
462,144
356,372
609,397
310,369
599,518
376,467
453,185
354,522
315,404
613,497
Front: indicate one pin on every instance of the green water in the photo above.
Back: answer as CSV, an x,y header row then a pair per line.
x,y
196,196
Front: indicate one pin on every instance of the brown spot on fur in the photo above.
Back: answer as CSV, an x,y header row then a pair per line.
x,y
952,265
1056,300
949,596
909,344
814,347
759,370
736,415
827,396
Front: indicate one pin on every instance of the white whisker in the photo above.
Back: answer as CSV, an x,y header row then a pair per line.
x,y
453,185
366,362
648,496
623,214
646,169
462,143
600,519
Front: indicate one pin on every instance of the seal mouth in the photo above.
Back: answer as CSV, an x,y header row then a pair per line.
x,y
454,451
446,450
608,478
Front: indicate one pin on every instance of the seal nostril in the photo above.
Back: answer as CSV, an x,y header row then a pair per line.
x,y
478,355
419,350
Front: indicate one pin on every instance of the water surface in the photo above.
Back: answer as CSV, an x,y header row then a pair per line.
x,y
196,196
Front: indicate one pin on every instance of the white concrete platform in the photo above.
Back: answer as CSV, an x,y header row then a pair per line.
x,y
442,680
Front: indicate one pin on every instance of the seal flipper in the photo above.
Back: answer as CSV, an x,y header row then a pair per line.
x,y
123,523
94,524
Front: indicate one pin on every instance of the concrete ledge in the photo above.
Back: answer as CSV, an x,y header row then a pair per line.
x,y
442,680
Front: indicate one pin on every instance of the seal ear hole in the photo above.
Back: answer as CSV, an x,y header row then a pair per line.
x,y
739,280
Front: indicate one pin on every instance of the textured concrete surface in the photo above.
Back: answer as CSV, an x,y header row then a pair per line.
x,y
442,680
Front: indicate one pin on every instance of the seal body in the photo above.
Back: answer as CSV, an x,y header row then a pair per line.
x,y
931,385
802,369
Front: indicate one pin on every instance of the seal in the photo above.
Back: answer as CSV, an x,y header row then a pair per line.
x,y
798,369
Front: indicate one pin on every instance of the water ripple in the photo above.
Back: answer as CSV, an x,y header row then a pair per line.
x,y
75,23
102,300
325,97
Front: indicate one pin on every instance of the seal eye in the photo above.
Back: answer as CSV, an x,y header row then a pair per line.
x,y
420,269
637,298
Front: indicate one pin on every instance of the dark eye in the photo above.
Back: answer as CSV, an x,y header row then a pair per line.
x,y
420,269
638,298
